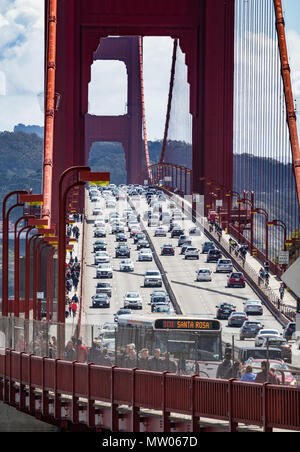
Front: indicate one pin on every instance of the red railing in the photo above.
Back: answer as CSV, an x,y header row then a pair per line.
x,y
71,392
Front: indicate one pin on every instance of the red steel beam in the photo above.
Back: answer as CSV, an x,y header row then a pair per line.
x,y
288,92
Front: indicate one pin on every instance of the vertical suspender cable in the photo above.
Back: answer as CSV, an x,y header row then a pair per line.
x,y
291,114
143,106
49,108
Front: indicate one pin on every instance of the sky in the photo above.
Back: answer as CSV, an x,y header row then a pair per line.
x,y
22,80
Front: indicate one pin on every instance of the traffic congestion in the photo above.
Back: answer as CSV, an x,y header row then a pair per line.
x,y
125,226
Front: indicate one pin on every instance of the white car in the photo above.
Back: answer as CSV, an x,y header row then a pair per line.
x,y
191,253
160,231
224,265
99,224
152,278
133,300
253,307
101,257
104,271
97,211
203,274
145,254
265,333
126,265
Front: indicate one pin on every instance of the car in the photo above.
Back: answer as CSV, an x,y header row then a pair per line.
x,y
249,329
145,254
152,278
100,300
143,243
139,236
159,297
265,333
160,232
122,251
97,211
236,279
121,312
195,231
224,265
207,246
167,250
99,245
121,237
184,246
237,318
203,274
126,265
135,231
224,310
99,224
279,368
253,307
173,225
153,220
162,307
213,255
101,257
159,293
117,228
278,342
177,232
289,330
95,198
110,204
104,287
133,300
191,253
183,239
104,271
245,353
99,232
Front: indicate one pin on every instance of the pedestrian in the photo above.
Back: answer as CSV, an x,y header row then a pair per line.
x,y
75,298
224,367
234,371
267,278
82,352
143,362
266,376
281,291
248,375
156,362
266,266
74,308
70,352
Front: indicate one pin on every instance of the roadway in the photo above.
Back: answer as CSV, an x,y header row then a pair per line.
x,y
200,298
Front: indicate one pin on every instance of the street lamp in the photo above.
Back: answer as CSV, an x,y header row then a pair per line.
x,y
262,211
5,244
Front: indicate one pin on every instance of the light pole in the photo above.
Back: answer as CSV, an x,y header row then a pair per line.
x,y
5,244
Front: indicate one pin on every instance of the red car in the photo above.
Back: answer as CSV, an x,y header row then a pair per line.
x,y
167,250
236,279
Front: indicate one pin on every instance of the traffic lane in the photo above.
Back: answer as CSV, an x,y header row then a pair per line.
x,y
202,297
121,281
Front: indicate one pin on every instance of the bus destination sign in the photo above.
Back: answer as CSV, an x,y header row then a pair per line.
x,y
187,324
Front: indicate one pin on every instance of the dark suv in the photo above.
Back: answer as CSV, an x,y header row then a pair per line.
x,y
177,232
213,255
122,251
207,246
224,310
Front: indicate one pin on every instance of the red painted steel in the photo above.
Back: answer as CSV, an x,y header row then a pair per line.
x,y
234,401
51,12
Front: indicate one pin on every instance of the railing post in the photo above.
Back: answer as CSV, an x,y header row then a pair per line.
x,y
135,420
265,409
75,409
22,398
114,406
232,425
195,419
166,425
90,406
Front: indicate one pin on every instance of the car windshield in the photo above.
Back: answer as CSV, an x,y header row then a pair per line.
x,y
224,261
269,332
203,270
236,275
132,295
152,273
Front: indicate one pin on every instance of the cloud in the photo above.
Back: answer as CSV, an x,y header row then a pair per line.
x,y
21,60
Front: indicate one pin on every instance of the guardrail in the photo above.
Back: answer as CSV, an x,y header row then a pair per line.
x,y
97,397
